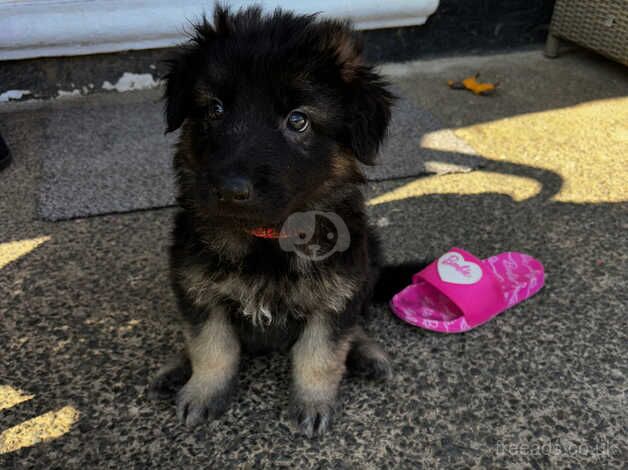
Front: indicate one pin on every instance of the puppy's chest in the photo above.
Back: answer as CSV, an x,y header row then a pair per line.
x,y
265,300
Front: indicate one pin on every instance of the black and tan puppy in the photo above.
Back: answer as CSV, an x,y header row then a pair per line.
x,y
275,112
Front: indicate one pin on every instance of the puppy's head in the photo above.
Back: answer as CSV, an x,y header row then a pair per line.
x,y
276,110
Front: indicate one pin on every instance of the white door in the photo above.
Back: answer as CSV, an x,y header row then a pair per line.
x,y
37,28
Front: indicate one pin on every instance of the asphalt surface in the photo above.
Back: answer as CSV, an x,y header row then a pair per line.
x,y
88,317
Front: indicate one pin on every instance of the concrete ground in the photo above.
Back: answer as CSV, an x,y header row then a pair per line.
x,y
87,316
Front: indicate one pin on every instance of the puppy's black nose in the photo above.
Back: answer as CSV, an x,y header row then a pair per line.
x,y
234,189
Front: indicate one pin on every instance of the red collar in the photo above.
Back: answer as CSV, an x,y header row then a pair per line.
x,y
266,232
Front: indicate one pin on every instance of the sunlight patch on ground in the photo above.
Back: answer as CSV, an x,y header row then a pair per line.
x,y
10,396
478,182
45,427
11,251
586,144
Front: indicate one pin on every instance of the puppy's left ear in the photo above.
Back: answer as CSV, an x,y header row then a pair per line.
x,y
368,115
368,102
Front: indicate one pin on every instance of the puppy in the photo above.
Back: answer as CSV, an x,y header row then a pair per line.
x,y
272,249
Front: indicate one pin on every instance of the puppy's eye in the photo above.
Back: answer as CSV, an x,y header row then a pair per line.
x,y
297,121
215,109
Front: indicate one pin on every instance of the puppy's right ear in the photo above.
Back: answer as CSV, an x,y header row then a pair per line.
x,y
179,85
183,70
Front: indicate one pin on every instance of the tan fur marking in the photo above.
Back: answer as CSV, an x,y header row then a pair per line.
x,y
344,169
344,166
311,293
214,353
318,363
349,57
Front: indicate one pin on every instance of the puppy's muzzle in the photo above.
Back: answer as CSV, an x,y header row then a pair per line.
x,y
234,190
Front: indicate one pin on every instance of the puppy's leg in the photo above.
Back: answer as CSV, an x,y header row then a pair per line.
x,y
367,358
214,353
170,378
318,365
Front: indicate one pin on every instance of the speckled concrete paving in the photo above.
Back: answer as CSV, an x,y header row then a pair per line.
x,y
88,317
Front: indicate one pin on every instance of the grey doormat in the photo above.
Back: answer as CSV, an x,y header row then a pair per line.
x,y
107,153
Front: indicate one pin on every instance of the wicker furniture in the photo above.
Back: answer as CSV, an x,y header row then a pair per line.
x,y
601,25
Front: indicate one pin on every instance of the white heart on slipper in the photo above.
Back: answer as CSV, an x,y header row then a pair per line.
x,y
453,268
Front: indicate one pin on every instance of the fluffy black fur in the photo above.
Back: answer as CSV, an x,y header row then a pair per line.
x,y
231,91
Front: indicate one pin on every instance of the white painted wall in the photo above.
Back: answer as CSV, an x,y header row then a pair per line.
x,y
38,28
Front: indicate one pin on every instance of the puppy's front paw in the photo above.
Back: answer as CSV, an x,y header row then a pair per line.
x,y
170,380
198,402
374,367
313,418
367,358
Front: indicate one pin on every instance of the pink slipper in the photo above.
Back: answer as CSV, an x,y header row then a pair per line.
x,y
458,291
